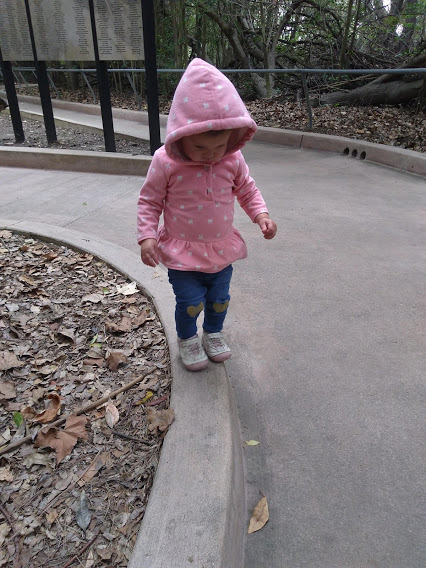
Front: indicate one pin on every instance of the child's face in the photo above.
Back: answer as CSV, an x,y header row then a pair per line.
x,y
206,147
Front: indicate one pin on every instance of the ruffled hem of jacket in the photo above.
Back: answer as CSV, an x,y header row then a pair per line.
x,y
200,256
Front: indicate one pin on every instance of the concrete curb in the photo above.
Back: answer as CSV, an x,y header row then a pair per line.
x,y
394,157
74,160
196,509
398,158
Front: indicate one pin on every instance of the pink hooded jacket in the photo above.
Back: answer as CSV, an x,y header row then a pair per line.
x,y
197,199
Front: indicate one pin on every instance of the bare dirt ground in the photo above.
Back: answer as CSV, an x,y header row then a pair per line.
x,y
84,394
68,138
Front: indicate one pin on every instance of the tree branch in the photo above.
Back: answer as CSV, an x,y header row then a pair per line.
x,y
83,410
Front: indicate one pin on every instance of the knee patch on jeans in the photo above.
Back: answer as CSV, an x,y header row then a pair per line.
x,y
220,308
193,311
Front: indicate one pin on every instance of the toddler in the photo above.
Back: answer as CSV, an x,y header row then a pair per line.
x,y
193,180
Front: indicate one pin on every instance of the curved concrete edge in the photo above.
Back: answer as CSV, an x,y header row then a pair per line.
x,y
93,109
398,158
391,156
72,124
196,509
74,160
278,136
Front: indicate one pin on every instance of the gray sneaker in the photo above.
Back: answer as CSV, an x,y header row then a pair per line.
x,y
192,353
216,347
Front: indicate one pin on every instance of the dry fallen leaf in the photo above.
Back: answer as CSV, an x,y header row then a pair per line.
x,y
259,517
51,516
28,413
90,561
160,419
7,390
252,443
6,474
51,412
124,326
48,369
95,352
82,514
4,531
63,441
112,415
5,436
27,280
97,362
149,394
127,289
94,298
94,467
37,458
67,334
104,551
8,361
141,318
114,359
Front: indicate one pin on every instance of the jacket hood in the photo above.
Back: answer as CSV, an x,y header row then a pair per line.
x,y
207,100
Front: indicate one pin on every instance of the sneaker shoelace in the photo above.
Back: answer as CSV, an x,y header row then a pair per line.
x,y
193,349
216,342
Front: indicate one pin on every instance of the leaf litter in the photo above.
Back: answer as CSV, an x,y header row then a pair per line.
x,y
82,350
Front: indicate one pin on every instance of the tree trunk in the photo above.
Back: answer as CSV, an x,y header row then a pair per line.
x,y
387,89
405,40
342,58
239,51
396,92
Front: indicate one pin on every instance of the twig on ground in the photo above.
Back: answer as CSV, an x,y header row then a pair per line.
x,y
157,400
87,408
15,536
131,438
80,552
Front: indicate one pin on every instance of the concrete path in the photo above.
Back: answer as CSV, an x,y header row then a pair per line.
x,y
328,333
328,329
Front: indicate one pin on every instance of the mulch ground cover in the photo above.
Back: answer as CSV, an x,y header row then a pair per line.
x,y
84,393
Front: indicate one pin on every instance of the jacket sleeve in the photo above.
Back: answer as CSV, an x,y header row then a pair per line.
x,y
248,195
151,200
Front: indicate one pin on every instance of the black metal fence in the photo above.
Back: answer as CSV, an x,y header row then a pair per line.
x,y
20,79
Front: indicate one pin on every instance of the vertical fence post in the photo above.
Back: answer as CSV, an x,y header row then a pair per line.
x,y
12,99
103,83
148,23
43,85
308,102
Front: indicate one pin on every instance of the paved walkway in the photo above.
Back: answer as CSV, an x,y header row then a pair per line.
x,y
328,331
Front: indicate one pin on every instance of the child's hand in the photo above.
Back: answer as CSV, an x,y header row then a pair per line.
x,y
149,252
267,226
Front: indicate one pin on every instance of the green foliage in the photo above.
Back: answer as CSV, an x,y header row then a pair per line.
x,y
18,418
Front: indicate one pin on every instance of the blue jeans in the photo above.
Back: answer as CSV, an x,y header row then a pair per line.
x,y
197,291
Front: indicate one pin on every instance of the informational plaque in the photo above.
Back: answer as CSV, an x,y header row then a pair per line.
x,y
119,29
63,32
15,39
